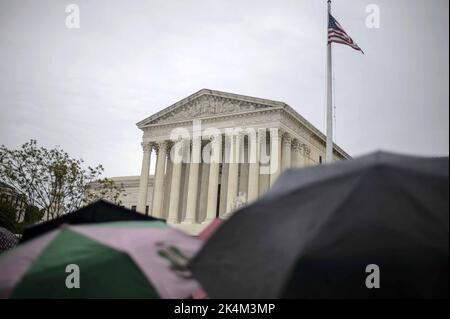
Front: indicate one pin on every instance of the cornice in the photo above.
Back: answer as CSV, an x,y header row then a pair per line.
x,y
213,118
318,134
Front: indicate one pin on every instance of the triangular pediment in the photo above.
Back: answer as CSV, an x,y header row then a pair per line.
x,y
207,103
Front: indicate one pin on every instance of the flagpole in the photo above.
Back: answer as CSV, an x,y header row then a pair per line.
x,y
329,141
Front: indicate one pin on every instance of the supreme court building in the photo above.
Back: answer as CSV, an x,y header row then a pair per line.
x,y
206,168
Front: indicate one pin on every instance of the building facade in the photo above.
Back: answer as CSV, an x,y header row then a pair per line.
x,y
215,152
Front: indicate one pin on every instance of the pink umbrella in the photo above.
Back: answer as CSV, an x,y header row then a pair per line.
x,y
145,259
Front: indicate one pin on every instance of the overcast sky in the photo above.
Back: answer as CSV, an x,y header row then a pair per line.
x,y
85,89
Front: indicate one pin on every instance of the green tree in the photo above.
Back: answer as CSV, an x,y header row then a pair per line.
x,y
52,181
8,217
16,221
32,215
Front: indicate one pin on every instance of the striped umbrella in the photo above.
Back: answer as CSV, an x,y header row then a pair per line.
x,y
109,260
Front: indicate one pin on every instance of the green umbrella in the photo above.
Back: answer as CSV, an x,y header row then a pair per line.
x,y
110,260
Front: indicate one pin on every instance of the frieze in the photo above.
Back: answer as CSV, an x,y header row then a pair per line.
x,y
208,105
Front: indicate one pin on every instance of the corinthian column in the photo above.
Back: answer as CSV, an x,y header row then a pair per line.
x,y
176,182
213,184
158,191
233,172
192,192
275,155
253,174
296,154
306,155
143,182
286,152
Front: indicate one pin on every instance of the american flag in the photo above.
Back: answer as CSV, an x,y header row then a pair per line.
x,y
337,34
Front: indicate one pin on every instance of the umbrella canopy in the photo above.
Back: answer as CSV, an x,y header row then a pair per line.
x,y
110,260
7,239
205,235
323,232
100,211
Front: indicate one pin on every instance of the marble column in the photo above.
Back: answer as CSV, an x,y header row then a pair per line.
x,y
167,185
224,175
158,191
192,191
243,166
213,182
233,172
275,155
176,182
254,141
286,152
203,191
296,154
143,182
264,162
306,155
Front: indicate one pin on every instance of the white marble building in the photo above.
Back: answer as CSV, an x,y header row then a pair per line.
x,y
244,162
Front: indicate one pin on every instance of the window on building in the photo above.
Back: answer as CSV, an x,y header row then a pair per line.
x,y
320,159
146,210
133,207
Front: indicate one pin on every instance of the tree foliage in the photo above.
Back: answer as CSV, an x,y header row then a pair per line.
x,y
8,218
15,220
52,181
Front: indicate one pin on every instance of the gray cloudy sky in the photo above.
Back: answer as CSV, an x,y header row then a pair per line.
x,y
84,89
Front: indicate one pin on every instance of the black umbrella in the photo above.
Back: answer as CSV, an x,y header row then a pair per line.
x,y
99,212
336,231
